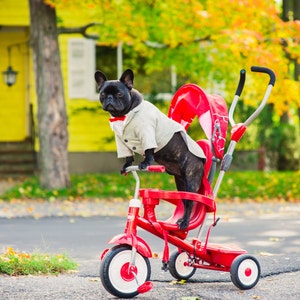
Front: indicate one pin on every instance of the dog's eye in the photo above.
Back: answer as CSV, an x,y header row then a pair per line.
x,y
120,94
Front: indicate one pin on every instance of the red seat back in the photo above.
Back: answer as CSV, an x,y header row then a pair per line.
x,y
191,101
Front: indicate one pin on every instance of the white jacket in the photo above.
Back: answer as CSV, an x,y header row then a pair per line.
x,y
146,127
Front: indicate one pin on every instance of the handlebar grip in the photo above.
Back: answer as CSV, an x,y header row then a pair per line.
x,y
267,71
156,168
241,82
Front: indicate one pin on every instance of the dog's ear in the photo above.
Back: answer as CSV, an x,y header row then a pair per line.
x,y
127,77
100,78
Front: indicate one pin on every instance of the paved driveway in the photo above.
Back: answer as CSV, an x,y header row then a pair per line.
x,y
269,232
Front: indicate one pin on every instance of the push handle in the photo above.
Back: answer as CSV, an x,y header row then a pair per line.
x,y
267,71
267,92
241,82
239,91
237,96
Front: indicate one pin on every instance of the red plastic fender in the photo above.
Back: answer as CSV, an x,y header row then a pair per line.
x,y
134,241
103,253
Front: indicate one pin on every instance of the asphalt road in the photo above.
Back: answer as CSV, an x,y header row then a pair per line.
x,y
269,232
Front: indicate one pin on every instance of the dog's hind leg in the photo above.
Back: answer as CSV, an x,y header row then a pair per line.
x,y
189,182
188,205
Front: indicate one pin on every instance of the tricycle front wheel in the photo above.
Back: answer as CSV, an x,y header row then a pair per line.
x,y
117,275
245,271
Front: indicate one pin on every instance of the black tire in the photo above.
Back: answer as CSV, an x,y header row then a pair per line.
x,y
245,271
177,268
113,273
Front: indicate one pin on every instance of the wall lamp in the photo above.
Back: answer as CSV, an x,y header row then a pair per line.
x,y
9,75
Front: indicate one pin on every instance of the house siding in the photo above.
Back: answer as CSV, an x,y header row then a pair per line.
x,y
88,125
16,13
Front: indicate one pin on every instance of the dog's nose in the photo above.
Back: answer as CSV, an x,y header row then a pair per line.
x,y
109,99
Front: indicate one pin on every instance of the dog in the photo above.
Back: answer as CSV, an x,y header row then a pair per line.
x,y
140,127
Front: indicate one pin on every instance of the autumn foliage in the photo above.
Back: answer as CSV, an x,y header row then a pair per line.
x,y
207,41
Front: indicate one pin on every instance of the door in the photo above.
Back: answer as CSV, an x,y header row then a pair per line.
x,y
14,100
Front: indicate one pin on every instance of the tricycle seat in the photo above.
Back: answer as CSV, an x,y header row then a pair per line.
x,y
202,205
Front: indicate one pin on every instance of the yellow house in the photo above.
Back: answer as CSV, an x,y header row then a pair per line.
x,y
89,132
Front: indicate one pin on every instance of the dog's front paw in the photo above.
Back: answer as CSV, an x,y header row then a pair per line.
x,y
183,223
143,165
148,159
128,163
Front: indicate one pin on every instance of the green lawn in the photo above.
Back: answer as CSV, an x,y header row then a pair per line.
x,y
258,186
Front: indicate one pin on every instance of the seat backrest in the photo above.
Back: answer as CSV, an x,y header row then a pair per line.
x,y
190,101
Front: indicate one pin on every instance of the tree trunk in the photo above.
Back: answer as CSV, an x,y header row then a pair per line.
x,y
286,132
52,117
296,10
286,8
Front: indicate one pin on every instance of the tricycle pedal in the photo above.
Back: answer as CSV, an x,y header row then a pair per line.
x,y
165,266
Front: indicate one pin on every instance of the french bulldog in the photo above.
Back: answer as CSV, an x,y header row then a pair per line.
x,y
140,127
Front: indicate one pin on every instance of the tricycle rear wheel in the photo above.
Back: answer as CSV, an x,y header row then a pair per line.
x,y
178,266
245,271
116,275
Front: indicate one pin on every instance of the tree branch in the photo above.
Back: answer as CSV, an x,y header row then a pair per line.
x,y
82,30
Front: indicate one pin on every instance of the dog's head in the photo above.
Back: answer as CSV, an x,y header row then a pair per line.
x,y
118,96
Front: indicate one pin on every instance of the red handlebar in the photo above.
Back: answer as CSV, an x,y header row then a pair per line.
x,y
155,168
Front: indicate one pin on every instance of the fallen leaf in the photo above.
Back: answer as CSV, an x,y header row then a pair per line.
x,y
182,281
274,239
265,254
94,279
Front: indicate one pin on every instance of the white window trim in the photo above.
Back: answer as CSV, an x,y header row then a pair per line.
x,y
81,86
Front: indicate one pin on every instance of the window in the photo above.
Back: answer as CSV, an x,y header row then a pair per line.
x,y
81,69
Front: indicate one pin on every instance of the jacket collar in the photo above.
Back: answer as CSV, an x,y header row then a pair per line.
x,y
127,118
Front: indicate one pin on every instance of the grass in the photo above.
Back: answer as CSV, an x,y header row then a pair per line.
x,y
245,185
261,186
15,263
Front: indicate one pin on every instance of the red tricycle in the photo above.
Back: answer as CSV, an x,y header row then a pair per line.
x,y
125,268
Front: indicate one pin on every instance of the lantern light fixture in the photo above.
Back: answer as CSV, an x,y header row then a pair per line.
x,y
9,75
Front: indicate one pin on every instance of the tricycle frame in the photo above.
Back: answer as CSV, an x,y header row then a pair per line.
x,y
131,272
